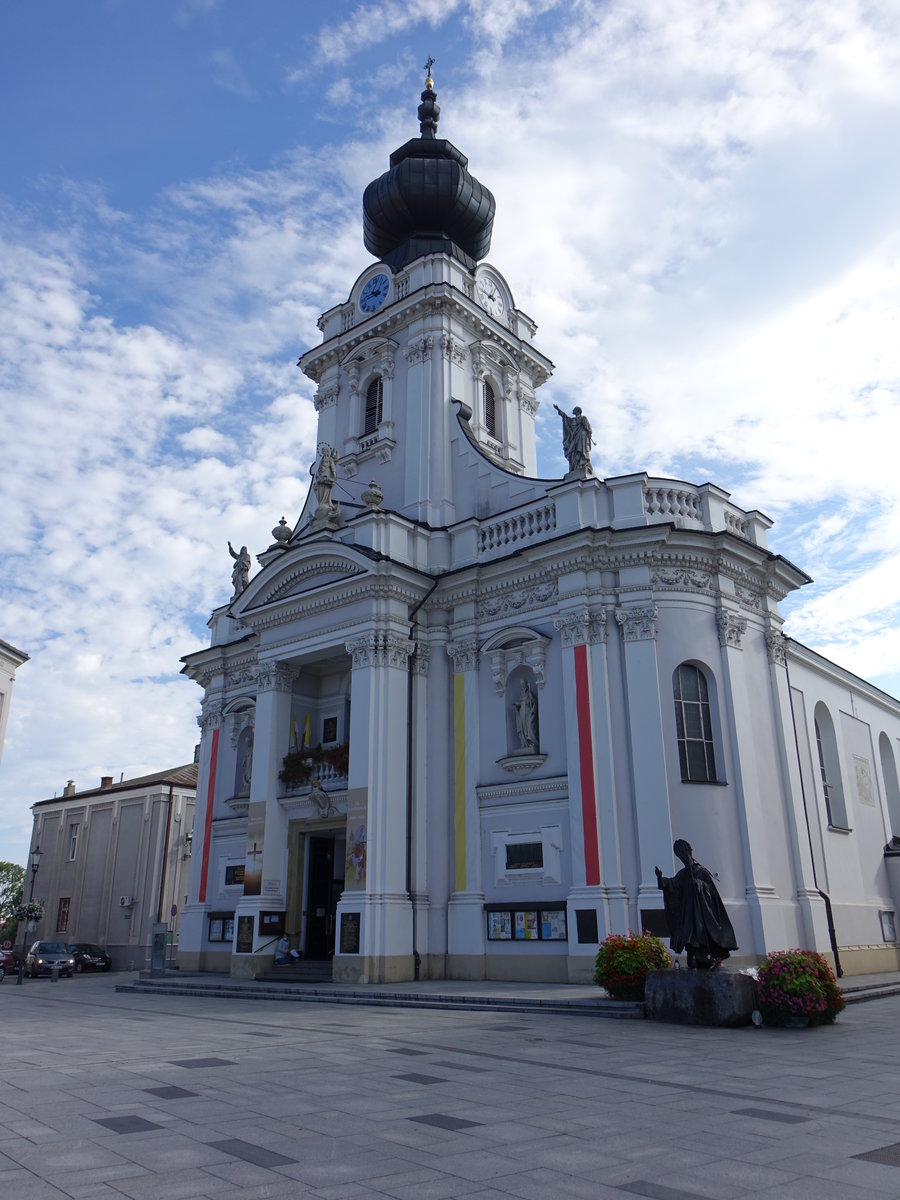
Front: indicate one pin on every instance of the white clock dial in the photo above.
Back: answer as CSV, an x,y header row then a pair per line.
x,y
489,296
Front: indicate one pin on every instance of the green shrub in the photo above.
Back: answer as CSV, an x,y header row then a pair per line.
x,y
623,961
798,983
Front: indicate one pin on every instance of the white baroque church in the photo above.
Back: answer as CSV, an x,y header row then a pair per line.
x,y
460,712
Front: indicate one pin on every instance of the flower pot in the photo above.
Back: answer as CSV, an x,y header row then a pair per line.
x,y
796,1022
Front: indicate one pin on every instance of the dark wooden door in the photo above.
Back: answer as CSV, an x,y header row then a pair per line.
x,y
321,899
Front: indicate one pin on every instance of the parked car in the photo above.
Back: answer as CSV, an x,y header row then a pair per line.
x,y
44,956
6,961
89,957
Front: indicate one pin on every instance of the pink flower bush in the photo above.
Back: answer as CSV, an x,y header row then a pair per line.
x,y
623,961
798,983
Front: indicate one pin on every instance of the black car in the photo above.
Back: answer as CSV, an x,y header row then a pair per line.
x,y
89,957
44,956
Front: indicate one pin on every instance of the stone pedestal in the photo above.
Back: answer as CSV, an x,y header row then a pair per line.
x,y
721,998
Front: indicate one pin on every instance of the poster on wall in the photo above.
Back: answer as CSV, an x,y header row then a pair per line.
x,y
499,926
553,925
527,925
256,827
357,839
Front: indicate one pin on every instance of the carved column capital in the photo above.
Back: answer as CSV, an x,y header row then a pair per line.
x,y
379,649
580,627
325,397
421,658
274,677
210,715
731,628
638,624
464,654
420,349
776,647
387,362
353,377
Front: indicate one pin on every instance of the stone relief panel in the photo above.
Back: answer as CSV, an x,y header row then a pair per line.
x,y
503,602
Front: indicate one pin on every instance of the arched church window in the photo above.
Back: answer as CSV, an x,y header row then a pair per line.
x,y
891,785
830,768
693,725
490,410
374,405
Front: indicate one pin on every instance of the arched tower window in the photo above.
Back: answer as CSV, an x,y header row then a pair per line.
x,y
374,405
830,768
693,724
490,409
891,786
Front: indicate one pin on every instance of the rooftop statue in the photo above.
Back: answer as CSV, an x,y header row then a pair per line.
x,y
577,440
240,575
697,918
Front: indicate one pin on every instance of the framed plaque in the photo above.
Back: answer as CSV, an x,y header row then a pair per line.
x,y
271,924
244,935
349,941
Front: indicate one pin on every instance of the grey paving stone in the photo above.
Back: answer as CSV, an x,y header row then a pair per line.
x,y
441,1121
170,1092
765,1114
126,1124
412,1077
194,1063
888,1156
260,1156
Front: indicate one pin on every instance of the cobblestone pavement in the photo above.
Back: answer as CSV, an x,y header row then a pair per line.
x,y
111,1095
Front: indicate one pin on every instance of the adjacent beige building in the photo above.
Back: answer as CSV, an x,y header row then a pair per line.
x,y
114,861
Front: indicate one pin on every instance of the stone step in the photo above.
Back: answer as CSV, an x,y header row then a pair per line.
x,y
313,994
856,993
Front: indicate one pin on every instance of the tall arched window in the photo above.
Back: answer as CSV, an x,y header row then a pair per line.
x,y
490,410
693,725
891,786
374,405
830,768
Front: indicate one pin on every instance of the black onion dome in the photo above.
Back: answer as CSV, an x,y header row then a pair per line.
x,y
427,202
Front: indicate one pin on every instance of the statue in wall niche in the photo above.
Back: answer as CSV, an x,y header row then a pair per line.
x,y
697,918
577,440
321,799
526,719
326,474
240,575
246,767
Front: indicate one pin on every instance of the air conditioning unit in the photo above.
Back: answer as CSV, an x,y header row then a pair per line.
x,y
126,901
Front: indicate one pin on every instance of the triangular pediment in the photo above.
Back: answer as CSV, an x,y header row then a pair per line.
x,y
296,578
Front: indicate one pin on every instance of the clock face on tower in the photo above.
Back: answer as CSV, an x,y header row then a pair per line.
x,y
489,296
374,293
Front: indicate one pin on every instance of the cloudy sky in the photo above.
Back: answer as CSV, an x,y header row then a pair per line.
x,y
697,201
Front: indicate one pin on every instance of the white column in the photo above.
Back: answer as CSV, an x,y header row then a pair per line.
x,y
647,746
379,722
465,912
193,915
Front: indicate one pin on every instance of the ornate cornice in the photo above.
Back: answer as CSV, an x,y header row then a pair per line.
x,y
502,793
731,628
380,648
241,676
682,578
581,627
638,623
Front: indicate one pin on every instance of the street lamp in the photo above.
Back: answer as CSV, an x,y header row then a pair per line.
x,y
35,863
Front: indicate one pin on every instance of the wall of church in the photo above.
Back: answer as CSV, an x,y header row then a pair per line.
x,y
850,821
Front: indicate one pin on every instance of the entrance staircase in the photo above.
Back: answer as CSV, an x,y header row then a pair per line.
x,y
300,970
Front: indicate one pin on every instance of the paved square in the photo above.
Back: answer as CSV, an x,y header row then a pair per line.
x,y
306,1100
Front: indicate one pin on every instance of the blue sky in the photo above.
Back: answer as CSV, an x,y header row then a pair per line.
x,y
697,201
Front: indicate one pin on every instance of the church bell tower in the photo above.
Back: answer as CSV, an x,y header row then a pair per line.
x,y
429,345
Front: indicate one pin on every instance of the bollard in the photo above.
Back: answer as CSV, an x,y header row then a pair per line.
x,y
54,972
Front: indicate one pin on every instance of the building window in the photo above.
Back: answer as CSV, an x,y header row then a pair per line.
x,y
73,840
374,405
524,856
62,914
693,724
830,769
490,410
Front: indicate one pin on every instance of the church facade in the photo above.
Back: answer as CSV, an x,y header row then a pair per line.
x,y
460,713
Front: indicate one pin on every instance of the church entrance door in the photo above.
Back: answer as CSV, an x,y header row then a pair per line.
x,y
322,894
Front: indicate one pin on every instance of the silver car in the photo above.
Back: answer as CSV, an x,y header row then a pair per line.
x,y
44,956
